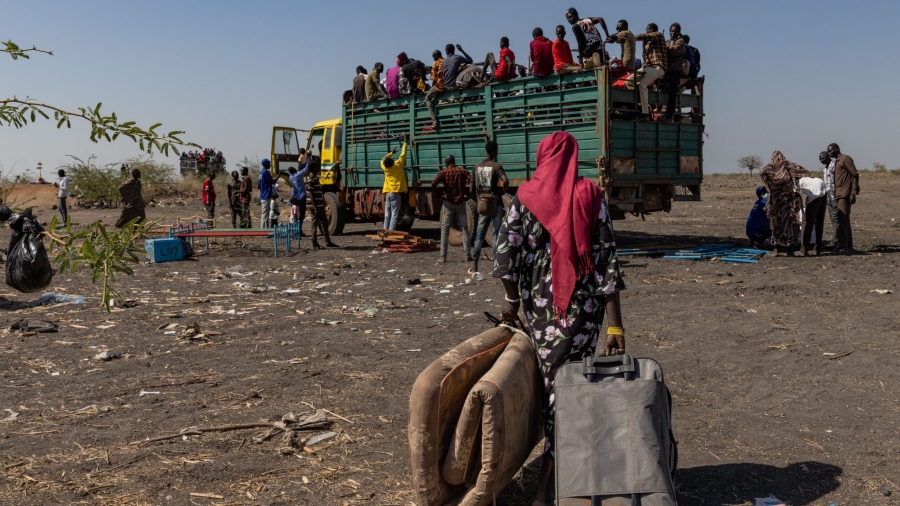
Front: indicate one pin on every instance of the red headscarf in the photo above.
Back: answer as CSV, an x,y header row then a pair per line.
x,y
567,206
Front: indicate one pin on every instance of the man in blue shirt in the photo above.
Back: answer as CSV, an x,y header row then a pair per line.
x,y
266,191
758,229
298,185
453,64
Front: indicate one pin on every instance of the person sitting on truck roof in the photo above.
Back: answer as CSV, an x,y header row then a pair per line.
x,y
392,77
437,85
394,185
655,61
590,43
454,194
562,53
626,39
506,67
695,54
374,89
359,85
486,179
414,73
540,55
453,64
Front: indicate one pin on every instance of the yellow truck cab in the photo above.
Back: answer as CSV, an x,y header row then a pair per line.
x,y
323,140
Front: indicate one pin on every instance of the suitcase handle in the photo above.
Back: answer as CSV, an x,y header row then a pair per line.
x,y
617,364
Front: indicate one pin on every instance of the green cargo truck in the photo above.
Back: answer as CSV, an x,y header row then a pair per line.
x,y
642,165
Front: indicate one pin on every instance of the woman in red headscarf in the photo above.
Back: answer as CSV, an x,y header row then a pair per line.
x,y
557,258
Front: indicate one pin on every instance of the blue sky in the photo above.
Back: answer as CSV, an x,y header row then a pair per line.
x,y
791,75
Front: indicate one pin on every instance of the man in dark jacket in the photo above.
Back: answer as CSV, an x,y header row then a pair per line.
x,y
846,188
675,50
359,85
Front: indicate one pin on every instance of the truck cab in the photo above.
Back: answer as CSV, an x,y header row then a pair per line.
x,y
323,140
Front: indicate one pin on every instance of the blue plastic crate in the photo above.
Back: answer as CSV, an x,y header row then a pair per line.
x,y
163,250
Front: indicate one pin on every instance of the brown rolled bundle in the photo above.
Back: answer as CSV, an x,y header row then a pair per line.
x,y
499,426
435,403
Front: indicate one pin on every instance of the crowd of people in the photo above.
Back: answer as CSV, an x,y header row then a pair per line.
x,y
207,155
790,209
674,62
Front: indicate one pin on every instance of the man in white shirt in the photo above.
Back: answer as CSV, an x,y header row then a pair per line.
x,y
829,192
63,184
814,218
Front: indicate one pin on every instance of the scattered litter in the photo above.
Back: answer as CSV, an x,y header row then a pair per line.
x,y
105,356
144,392
444,291
414,281
12,416
36,326
882,292
489,300
477,276
397,332
433,325
829,354
320,438
407,290
392,270
414,351
884,491
58,298
235,269
370,311
169,332
751,311
769,501
842,355
291,290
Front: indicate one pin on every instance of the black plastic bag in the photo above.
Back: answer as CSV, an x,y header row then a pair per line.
x,y
28,267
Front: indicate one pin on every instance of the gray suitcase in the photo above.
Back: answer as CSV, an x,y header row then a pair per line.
x,y
614,440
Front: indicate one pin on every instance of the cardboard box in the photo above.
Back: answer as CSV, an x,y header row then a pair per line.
x,y
163,250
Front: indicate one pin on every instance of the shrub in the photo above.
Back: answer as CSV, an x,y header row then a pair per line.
x,y
96,185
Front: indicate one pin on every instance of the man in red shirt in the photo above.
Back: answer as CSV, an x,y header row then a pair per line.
x,y
208,194
540,59
562,53
506,69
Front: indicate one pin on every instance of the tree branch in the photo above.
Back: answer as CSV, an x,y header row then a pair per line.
x,y
13,50
17,112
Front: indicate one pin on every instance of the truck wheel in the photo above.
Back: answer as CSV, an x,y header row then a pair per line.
x,y
405,223
454,238
336,214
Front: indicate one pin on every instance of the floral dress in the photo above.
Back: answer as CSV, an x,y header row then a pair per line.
x,y
523,256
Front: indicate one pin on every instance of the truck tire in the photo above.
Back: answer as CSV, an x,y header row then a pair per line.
x,y
336,214
405,223
454,238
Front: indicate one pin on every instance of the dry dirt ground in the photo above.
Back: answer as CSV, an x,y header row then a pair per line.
x,y
785,374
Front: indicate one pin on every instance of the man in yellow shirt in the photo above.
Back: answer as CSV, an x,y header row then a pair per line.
x,y
394,185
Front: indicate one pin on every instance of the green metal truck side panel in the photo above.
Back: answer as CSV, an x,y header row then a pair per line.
x,y
518,115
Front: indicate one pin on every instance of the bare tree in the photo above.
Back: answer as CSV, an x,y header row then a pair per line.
x,y
750,162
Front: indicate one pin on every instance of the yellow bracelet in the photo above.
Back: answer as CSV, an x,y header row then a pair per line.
x,y
615,331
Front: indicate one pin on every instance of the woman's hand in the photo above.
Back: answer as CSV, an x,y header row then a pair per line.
x,y
510,312
615,345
